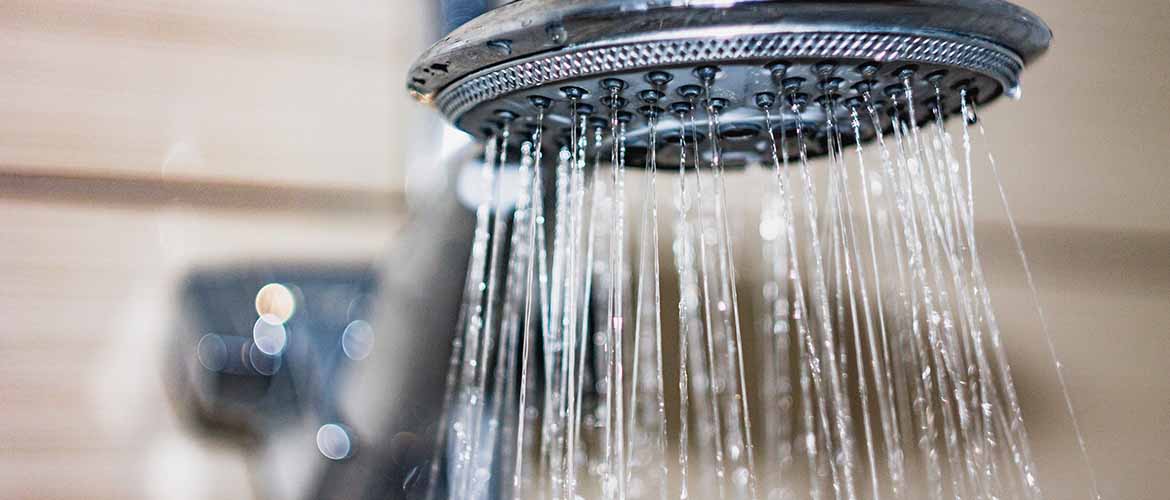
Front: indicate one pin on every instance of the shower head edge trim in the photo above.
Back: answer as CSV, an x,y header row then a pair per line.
x,y
527,28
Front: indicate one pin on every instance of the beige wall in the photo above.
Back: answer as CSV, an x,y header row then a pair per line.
x,y
1084,157
137,139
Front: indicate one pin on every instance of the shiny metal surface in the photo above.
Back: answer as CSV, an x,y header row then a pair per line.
x,y
536,26
830,52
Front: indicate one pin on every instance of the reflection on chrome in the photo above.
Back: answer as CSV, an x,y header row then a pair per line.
x,y
262,362
212,352
275,302
269,337
357,340
333,442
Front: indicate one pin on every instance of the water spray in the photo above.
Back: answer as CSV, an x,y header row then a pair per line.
x,y
877,368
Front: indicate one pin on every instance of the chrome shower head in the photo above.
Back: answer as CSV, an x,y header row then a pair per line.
x,y
805,60
659,72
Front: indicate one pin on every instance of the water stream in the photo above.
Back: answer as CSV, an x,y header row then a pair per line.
x,y
877,368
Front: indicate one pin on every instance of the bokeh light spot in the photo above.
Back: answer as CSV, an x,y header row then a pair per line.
x,y
275,302
212,352
269,337
264,364
357,340
333,442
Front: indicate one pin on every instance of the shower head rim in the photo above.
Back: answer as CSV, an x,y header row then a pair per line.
x,y
527,28
623,56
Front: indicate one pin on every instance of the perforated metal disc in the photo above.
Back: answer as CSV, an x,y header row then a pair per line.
x,y
823,54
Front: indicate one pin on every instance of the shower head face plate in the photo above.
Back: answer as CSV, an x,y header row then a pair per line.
x,y
806,61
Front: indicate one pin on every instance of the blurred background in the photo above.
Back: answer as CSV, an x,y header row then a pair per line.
x,y
162,161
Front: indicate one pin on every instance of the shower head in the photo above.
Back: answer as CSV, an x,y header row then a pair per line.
x,y
610,82
807,61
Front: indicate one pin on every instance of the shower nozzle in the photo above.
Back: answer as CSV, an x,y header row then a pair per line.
x,y
817,59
